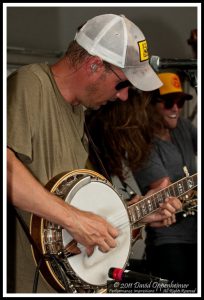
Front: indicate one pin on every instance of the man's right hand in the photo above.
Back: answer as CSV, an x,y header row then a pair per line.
x,y
91,230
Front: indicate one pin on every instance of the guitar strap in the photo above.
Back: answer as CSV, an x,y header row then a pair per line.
x,y
94,148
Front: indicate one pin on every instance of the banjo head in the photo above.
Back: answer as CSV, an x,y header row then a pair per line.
x,y
88,191
98,197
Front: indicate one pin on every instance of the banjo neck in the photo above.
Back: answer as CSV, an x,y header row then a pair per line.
x,y
147,205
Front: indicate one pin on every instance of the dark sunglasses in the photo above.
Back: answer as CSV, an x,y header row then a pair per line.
x,y
123,83
169,103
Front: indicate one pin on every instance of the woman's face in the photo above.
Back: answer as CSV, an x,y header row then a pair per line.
x,y
170,111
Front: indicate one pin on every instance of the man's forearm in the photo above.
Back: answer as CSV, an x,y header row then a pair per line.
x,y
26,193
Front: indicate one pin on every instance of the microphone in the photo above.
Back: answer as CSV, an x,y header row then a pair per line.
x,y
164,63
129,276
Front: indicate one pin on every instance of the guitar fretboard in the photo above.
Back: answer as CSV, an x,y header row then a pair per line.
x,y
151,203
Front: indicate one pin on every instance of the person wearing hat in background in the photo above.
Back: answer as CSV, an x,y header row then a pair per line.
x,y
144,151
171,252
45,133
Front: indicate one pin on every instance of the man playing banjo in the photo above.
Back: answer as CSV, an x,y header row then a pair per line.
x,y
46,134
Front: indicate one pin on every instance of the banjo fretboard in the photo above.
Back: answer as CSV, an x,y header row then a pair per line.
x,y
151,203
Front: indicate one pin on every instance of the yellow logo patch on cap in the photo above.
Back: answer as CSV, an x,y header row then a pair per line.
x,y
171,83
143,50
176,82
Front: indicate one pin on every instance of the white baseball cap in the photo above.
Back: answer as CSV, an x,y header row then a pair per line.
x,y
117,40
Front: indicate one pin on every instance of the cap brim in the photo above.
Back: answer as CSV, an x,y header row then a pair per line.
x,y
143,78
187,96
177,94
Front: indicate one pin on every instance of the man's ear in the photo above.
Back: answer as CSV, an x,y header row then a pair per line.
x,y
94,65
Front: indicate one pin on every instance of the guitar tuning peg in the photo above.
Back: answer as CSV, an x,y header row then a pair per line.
x,y
185,169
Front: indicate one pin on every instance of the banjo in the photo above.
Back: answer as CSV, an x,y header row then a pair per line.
x,y
67,270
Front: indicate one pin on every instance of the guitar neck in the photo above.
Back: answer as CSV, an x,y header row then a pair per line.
x,y
151,203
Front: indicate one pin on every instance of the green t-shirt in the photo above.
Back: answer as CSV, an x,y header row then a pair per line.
x,y
44,129
47,135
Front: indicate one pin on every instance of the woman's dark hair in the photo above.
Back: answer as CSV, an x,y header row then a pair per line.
x,y
122,133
